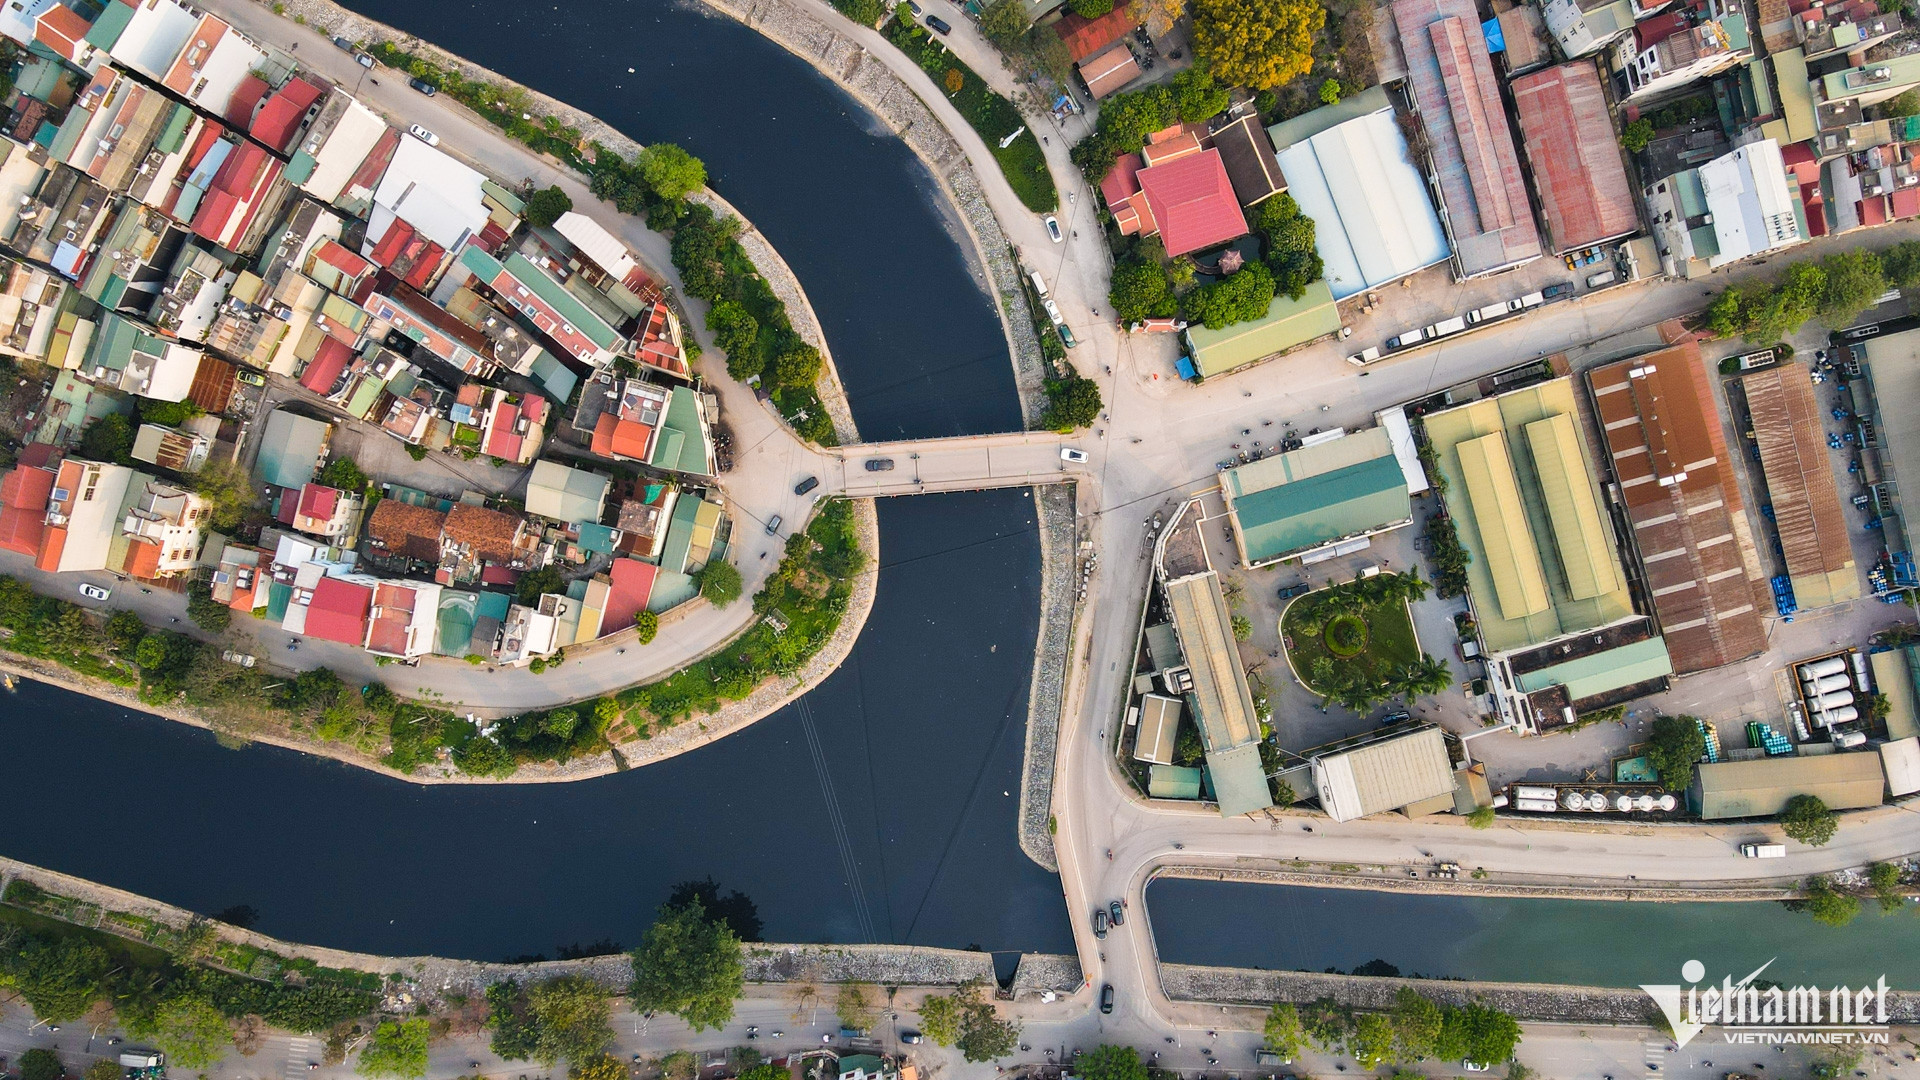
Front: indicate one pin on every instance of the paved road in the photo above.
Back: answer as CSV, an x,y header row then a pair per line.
x,y
966,463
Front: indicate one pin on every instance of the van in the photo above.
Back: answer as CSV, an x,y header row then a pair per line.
x,y
1039,284
1406,339
1764,851
1604,277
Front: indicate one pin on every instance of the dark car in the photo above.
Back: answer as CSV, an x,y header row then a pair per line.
x,y
1555,292
1114,914
879,464
423,86
1398,716
806,485
343,44
1106,999
1298,588
1100,922
938,25
911,1037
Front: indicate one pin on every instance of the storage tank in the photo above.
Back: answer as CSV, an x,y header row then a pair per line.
x,y
1861,682
1829,683
1844,739
1623,803
1596,801
1535,791
1538,806
1666,802
1643,803
1573,800
1835,698
1842,714
1832,665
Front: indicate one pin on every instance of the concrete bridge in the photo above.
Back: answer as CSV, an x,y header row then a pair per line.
x,y
965,463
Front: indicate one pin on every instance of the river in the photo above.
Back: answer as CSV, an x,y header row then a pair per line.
x,y
882,807
1581,942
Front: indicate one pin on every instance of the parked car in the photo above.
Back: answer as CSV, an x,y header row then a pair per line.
x,y
424,135
1395,717
1053,228
914,6
363,60
343,44
1298,588
938,25
423,86
95,592
1066,335
912,1038
1604,277
1555,292
773,525
251,378
1473,1066
1106,999
1114,914
1053,310
1100,922
879,464
806,485
1068,453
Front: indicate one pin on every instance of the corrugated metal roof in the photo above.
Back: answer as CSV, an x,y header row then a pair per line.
x,y
1892,677
1222,705
1386,775
1762,787
1512,558
1787,424
1579,534
1159,725
1603,672
1239,781
1300,500
1173,782
596,243
1287,323
1575,155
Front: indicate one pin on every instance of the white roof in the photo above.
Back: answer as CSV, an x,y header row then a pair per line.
x,y
173,374
596,243
232,58
436,194
1400,436
346,146
17,19
1902,762
1747,195
1373,221
154,37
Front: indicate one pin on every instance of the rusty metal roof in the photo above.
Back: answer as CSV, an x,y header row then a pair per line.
x,y
1799,475
1575,155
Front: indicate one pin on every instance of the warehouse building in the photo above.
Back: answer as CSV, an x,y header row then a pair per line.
x,y
1762,787
1221,701
1288,324
1400,769
1671,468
1890,439
1575,155
1808,522
1324,498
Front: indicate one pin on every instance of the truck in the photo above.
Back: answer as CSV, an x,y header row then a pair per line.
x,y
1407,339
1427,333
1365,356
1492,311
1269,1058
1764,851
1447,326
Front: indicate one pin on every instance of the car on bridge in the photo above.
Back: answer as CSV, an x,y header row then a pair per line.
x,y
1100,922
1106,999
806,485
1069,454
879,464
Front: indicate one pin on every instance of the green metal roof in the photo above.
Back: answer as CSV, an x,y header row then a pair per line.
x,y
107,28
1287,323
1239,782
1796,94
1173,782
1307,125
289,449
365,396
596,538
670,589
492,605
173,133
1604,672
279,597
514,203
454,632
1762,787
559,299
1320,509
682,445
554,376
679,544
300,167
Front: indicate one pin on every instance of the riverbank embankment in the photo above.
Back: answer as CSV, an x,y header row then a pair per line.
x,y
1394,879
94,906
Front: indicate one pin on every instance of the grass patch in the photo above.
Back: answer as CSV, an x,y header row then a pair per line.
x,y
993,116
1370,644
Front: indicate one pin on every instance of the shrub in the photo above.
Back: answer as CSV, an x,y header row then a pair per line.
x,y
545,206
1637,135
645,625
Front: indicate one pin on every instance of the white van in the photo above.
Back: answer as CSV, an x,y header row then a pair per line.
x,y
1764,851
1604,277
1039,283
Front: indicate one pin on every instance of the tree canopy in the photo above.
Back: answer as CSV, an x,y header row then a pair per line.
x,y
966,1020
191,1032
720,583
1807,819
1674,744
737,333
1111,1063
1284,1034
397,1049
1260,44
671,172
1241,297
109,438
1288,237
61,978
1072,402
1141,290
1827,905
688,965
545,206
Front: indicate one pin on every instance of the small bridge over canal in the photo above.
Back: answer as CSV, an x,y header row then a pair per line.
x,y
965,463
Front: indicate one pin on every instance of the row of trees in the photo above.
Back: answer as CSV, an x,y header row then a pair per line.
x,y
1416,1029
965,1019
1834,290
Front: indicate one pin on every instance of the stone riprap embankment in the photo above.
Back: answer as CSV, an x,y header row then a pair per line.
x,y
874,85
1524,1001
1059,585
336,21
887,965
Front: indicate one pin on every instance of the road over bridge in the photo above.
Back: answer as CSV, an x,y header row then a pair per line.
x,y
966,463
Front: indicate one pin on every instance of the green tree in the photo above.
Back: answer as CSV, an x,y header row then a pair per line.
x,y
1242,628
1637,135
719,582
1284,1034
1260,44
228,491
1141,290
398,1048
700,244
1885,880
940,1018
797,367
1371,1040
533,583
1416,1025
1478,1033
41,1064
608,1067
60,978
167,413
207,613
1806,818
343,473
1795,299
1481,818
571,1019
1241,297
190,1030
1005,22
1090,9
688,965
1072,402
545,206
736,332
1828,905
855,1007
1728,315
983,1035
1111,1063
1855,280
1289,240
1197,96
1330,92
1674,745
124,631
645,626
108,439
104,1069
1901,264
670,172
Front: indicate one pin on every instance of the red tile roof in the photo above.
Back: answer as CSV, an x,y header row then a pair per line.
x,y
319,501
245,96
632,583
60,29
487,533
23,508
51,548
1650,32
1193,203
1109,71
338,611
1906,202
1873,210
279,119
142,561
495,574
325,367
1576,161
336,255
1122,180
40,455
1084,36
403,529
502,442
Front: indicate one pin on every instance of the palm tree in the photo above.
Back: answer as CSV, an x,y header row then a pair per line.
x,y
1413,588
1426,677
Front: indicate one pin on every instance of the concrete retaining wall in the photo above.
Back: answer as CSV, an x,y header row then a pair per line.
x,y
1059,585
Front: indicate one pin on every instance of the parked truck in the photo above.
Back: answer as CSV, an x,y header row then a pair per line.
x,y
1492,311
1427,333
1764,851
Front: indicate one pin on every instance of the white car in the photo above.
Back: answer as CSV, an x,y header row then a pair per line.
x,y
424,135
94,592
1068,453
1053,228
1053,310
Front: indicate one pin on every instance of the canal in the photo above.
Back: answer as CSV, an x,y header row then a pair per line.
x,y
1580,942
881,807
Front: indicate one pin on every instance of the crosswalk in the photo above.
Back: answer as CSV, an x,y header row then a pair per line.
x,y
1656,1055
301,1050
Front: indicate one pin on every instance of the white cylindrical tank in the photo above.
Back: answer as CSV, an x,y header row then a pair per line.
x,y
1623,803
1643,803
1535,791
1538,806
1832,665
1833,699
1573,800
1843,714
1861,681
1596,801
1844,739
1666,802
1829,683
